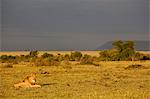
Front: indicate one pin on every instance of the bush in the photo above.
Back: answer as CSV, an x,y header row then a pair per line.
x,y
95,59
59,57
66,57
54,63
109,55
46,55
146,57
10,59
75,56
46,62
25,58
65,62
86,59
34,54
137,56
4,58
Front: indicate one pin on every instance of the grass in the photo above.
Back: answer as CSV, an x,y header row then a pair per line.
x,y
109,80
92,53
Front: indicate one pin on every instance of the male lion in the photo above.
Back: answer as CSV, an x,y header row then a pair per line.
x,y
28,82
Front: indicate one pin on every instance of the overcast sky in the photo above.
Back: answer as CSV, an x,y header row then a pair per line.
x,y
71,24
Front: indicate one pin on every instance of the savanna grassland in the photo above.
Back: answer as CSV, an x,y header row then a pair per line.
x,y
107,80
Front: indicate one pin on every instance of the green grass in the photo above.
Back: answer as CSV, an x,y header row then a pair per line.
x,y
110,80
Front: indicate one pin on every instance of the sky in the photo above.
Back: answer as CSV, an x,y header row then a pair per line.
x,y
71,24
0,25
149,20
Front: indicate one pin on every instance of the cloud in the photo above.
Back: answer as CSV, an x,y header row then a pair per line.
x,y
85,23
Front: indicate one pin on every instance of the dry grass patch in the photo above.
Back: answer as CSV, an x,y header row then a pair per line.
x,y
6,65
81,81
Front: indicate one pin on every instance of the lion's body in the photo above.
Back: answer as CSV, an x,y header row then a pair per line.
x,y
28,82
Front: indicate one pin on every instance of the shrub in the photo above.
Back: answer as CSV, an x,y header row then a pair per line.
x,y
65,62
4,58
46,62
10,59
137,56
95,59
66,57
25,58
86,59
146,57
54,63
41,62
59,58
109,55
46,55
34,54
75,56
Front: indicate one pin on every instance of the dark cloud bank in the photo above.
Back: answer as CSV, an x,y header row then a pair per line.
x,y
71,24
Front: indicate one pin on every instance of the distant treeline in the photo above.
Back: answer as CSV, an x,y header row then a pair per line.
x,y
121,51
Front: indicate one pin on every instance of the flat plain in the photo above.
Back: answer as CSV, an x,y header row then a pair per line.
x,y
109,80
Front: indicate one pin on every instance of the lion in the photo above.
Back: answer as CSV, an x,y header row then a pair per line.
x,y
28,82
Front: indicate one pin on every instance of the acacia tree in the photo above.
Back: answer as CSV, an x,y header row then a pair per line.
x,y
118,45
122,50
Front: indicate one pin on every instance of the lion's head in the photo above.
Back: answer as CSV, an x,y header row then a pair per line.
x,y
30,79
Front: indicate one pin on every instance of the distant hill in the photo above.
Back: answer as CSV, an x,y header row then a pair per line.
x,y
139,46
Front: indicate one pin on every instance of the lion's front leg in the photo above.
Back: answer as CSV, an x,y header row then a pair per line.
x,y
35,86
